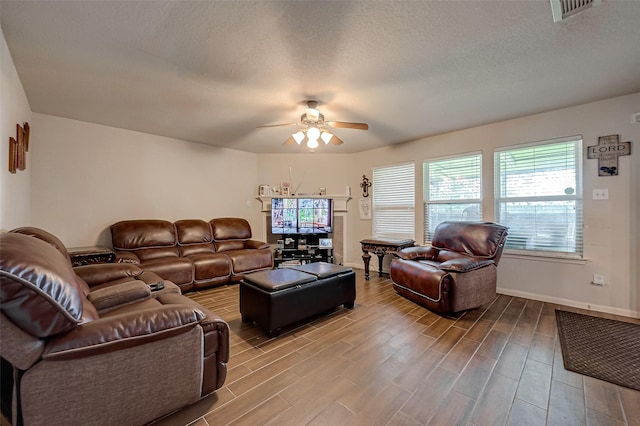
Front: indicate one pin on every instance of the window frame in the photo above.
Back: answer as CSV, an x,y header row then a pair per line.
x,y
577,197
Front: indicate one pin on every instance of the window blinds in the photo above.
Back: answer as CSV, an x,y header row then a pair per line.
x,y
393,192
539,195
452,191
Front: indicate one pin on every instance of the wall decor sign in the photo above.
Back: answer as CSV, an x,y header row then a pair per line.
x,y
607,151
18,148
365,208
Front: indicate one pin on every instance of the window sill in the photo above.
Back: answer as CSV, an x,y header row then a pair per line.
x,y
546,257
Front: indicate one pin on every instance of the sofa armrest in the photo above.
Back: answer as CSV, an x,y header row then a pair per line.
x,y
465,264
104,272
123,331
119,294
253,244
418,253
126,257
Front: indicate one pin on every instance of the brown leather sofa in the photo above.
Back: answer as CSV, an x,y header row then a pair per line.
x,y
104,353
192,253
457,272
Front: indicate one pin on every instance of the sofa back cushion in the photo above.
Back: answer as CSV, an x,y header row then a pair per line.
x,y
194,237
39,292
479,239
230,233
149,239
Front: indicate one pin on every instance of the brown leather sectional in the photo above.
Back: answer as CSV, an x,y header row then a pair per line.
x,y
93,344
192,253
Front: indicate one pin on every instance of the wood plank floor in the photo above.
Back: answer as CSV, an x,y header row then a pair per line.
x,y
391,362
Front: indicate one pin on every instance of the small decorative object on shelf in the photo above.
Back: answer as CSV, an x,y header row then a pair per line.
x,y
365,185
264,190
322,191
325,243
285,188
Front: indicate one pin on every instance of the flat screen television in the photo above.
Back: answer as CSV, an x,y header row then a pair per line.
x,y
301,215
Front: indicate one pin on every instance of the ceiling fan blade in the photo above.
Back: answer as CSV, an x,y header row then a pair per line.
x,y
289,141
277,125
348,125
336,140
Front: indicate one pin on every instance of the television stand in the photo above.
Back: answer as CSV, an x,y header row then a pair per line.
x,y
296,250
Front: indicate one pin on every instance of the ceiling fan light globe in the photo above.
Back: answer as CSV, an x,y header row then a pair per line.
x,y
298,137
326,137
312,143
313,133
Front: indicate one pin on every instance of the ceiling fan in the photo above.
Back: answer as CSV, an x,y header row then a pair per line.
x,y
315,127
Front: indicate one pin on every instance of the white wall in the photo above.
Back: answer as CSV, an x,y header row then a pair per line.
x,y
611,239
14,109
86,177
307,172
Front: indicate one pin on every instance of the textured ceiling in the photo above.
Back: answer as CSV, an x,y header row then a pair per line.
x,y
212,71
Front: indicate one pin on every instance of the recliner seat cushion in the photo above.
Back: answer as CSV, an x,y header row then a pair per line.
x,y
210,265
176,269
249,260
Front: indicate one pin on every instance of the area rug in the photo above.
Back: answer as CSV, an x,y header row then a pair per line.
x,y
606,349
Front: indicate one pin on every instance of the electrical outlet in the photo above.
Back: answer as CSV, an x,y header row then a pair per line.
x,y
601,194
598,280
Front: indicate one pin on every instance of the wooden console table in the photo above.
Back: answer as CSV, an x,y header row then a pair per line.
x,y
89,255
381,247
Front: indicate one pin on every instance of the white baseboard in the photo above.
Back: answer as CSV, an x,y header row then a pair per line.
x,y
567,302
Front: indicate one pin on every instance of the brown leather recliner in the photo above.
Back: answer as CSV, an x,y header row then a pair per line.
x,y
112,353
457,272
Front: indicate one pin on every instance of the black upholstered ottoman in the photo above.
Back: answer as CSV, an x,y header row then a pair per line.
x,y
280,297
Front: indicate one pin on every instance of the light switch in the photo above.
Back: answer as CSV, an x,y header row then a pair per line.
x,y
601,194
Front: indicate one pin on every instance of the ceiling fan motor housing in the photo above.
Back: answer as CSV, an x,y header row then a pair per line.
x,y
306,120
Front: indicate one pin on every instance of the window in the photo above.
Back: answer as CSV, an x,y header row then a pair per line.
x,y
452,191
393,191
539,196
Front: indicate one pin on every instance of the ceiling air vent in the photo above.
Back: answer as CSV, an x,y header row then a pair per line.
x,y
562,9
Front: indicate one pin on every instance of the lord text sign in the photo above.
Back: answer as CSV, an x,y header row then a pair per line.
x,y
607,151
